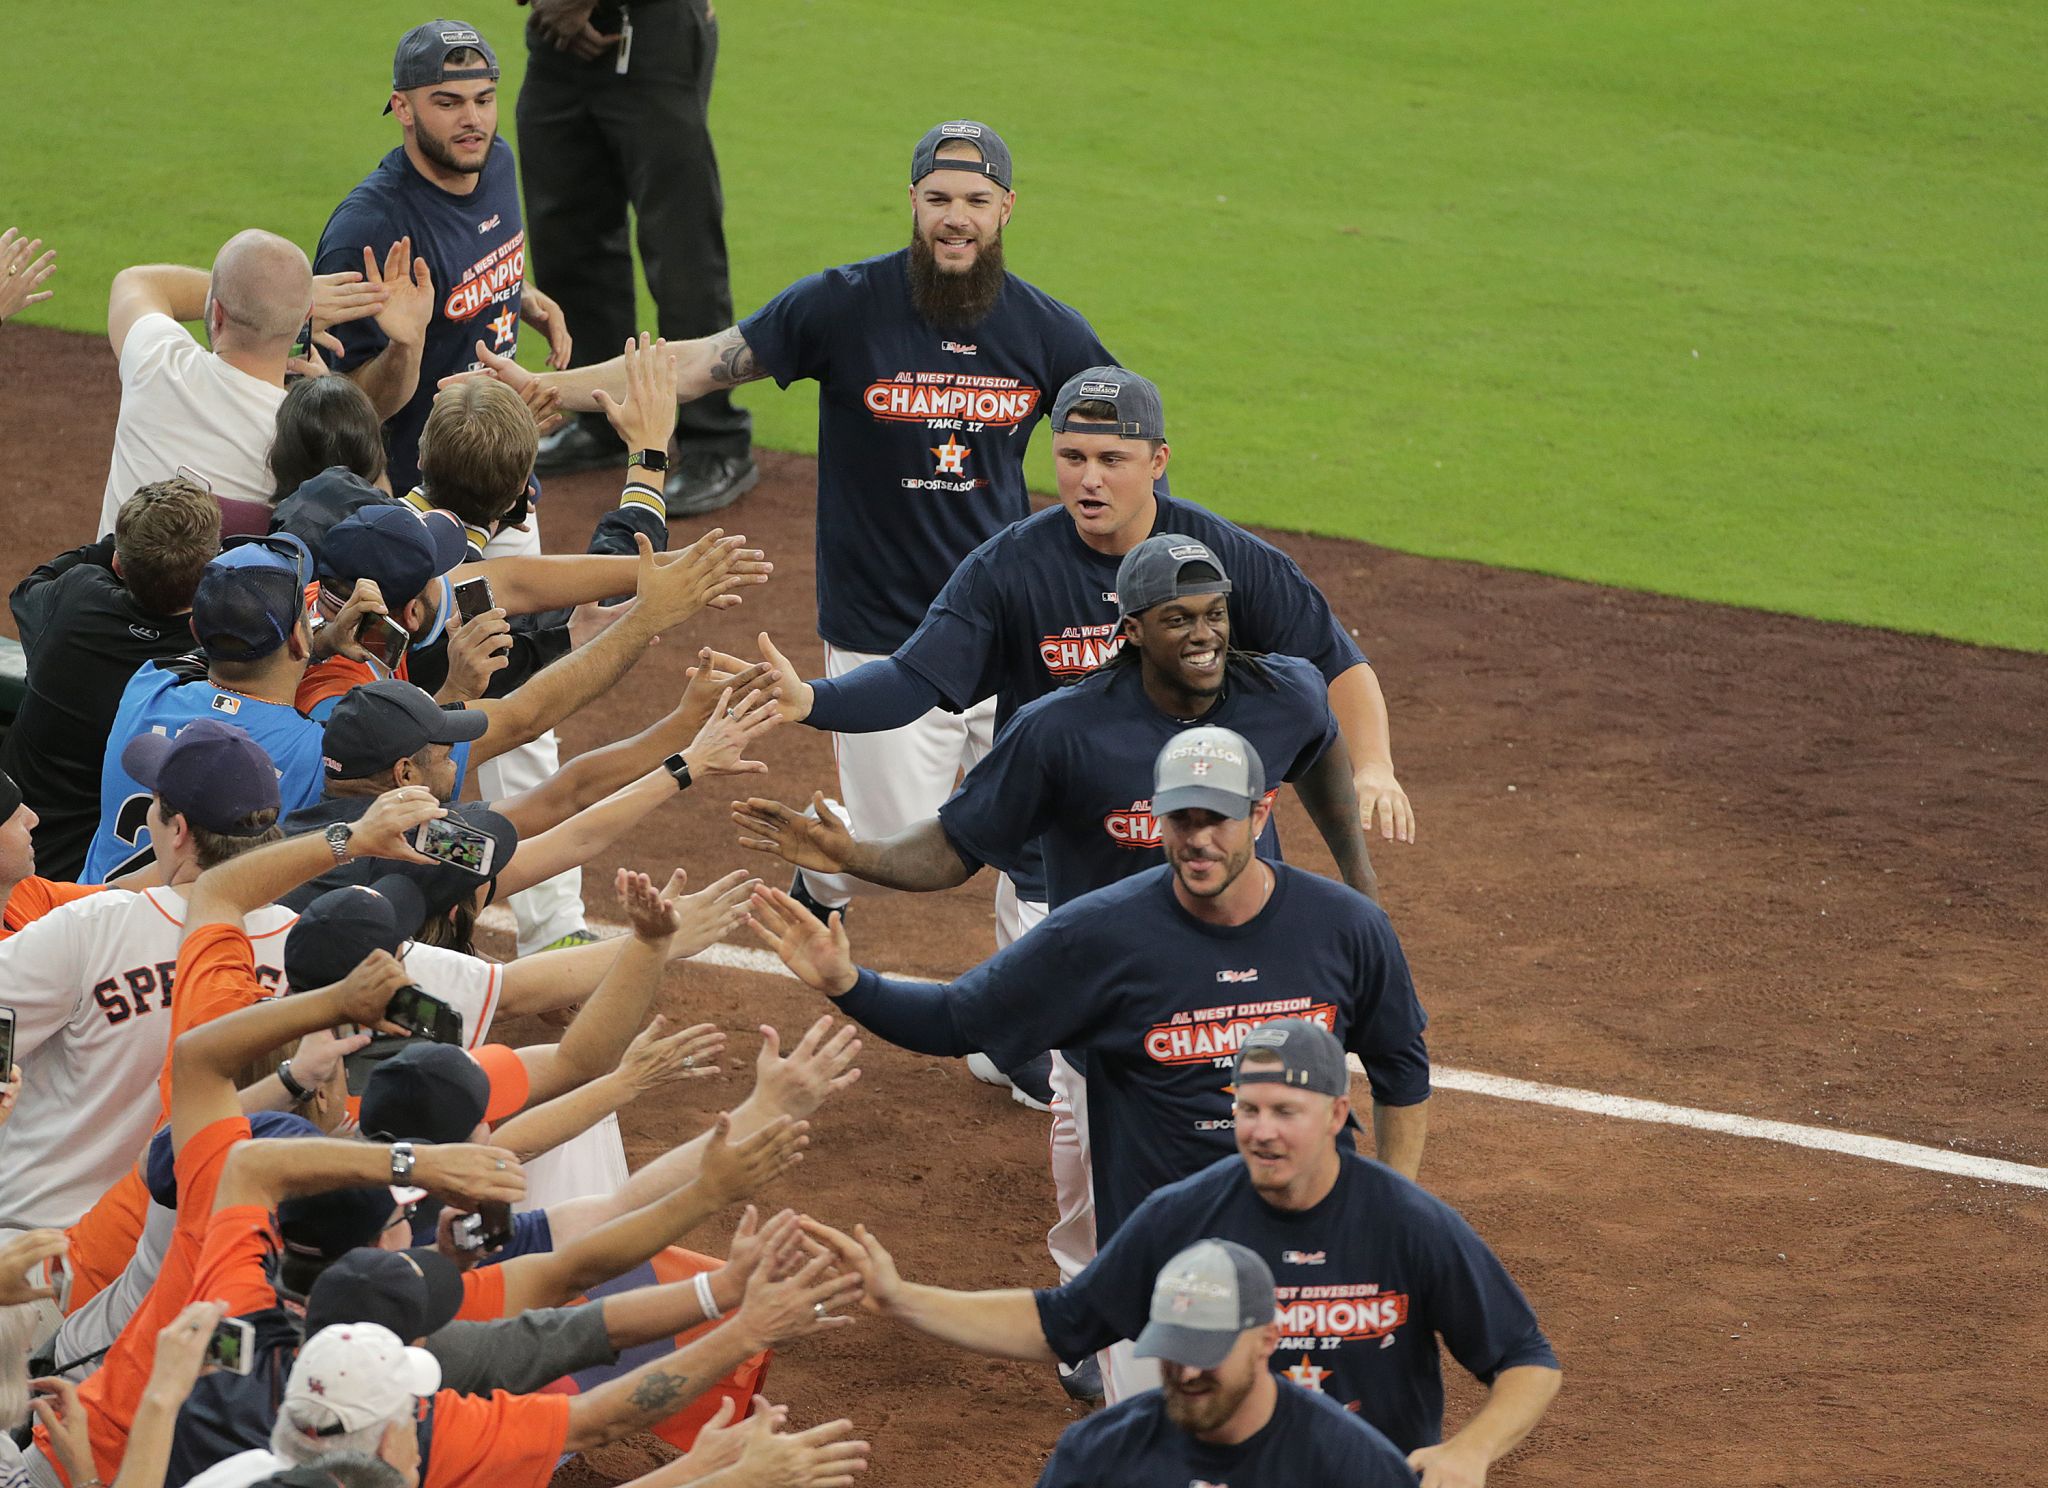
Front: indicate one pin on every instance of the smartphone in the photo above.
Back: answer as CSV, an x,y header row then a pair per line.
x,y
303,342
384,638
487,1230
233,1345
450,839
6,1043
424,1016
472,598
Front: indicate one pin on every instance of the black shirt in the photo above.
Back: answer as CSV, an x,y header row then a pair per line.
x,y
85,635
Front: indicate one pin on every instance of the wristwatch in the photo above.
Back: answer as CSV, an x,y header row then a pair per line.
x,y
650,459
338,836
679,769
299,1093
401,1164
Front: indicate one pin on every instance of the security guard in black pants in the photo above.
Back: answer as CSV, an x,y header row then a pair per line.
x,y
613,112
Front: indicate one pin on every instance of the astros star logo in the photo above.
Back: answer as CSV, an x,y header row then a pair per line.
x,y
1307,1374
952,456
1199,767
501,326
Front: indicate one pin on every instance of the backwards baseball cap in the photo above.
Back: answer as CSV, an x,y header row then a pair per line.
x,y
410,1293
344,925
426,1092
311,511
322,1227
1167,565
250,598
1208,769
352,1376
1296,1053
376,725
422,57
212,772
995,155
1139,413
394,546
1204,1298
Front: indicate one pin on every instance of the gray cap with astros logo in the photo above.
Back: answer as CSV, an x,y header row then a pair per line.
x,y
1167,565
1204,1298
1208,769
1139,413
422,57
1294,1052
995,155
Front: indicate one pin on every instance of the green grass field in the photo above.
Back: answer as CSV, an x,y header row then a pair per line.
x,y
1735,300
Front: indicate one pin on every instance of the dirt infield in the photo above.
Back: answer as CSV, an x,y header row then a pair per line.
x,y
1723,859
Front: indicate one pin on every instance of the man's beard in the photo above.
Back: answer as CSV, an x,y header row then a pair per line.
x,y
955,302
442,153
1197,1413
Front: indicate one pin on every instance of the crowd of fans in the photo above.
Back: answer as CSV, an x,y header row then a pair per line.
x,y
276,1208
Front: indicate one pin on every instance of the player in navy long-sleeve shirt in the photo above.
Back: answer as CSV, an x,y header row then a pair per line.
x,y
1370,1272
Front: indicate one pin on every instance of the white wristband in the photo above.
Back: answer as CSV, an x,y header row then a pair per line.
x,y
704,1298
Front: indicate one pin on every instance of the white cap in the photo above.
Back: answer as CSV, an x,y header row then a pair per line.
x,y
351,1376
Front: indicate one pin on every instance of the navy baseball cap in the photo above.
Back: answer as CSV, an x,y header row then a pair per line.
x,y
411,1292
343,926
1296,1053
1167,565
1139,412
422,57
426,1092
1208,769
211,772
1204,1299
250,598
442,886
327,1226
390,544
311,511
376,725
995,155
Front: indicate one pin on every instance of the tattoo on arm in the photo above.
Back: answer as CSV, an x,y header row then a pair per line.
x,y
732,360
659,1395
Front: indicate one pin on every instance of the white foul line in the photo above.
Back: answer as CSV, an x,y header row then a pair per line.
x,y
1562,1097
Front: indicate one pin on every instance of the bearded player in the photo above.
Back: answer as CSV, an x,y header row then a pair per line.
x,y
933,363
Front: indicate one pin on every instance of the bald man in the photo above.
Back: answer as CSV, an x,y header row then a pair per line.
x,y
211,408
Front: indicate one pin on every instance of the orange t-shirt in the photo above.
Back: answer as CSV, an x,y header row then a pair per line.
x,y
483,1295
495,1441
35,897
112,1395
215,976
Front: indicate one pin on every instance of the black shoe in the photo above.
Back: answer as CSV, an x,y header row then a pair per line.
x,y
578,445
700,484
800,891
1031,1083
1084,1384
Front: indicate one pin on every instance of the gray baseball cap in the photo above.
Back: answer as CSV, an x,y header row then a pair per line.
x,y
1139,413
422,57
995,155
1204,1298
1310,1058
1167,565
1208,769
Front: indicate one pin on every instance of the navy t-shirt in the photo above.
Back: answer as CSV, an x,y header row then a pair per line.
x,y
921,433
1307,1442
1367,1281
1160,1000
1072,774
475,247
1035,607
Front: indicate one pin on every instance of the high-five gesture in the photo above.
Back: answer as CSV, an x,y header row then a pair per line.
x,y
656,914
648,416
339,298
22,273
730,1171
408,286
821,1065
820,955
818,841
721,745
711,914
544,315
671,587
794,695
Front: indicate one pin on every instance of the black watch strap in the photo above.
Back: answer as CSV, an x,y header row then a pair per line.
x,y
299,1093
650,459
679,769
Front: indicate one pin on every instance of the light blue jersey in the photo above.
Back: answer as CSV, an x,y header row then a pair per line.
x,y
158,701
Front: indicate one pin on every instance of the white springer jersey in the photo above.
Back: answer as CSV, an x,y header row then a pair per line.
x,y
90,984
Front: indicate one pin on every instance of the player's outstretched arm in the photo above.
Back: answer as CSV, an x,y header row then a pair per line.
x,y
920,858
1515,1403
660,1054
702,366
1331,801
1361,710
1002,1323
